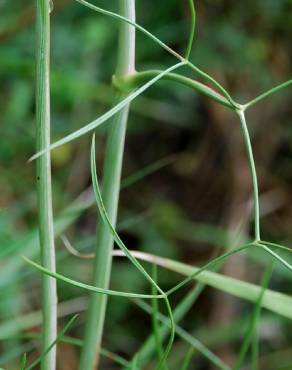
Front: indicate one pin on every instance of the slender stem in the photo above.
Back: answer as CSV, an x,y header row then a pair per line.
x,y
137,79
192,30
268,93
155,323
148,348
111,188
44,188
164,46
253,173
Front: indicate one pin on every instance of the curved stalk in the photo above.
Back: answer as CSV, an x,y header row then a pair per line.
x,y
192,30
164,46
129,83
253,173
111,188
44,188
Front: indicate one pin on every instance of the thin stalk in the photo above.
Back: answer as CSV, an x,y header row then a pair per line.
x,y
195,343
111,189
253,172
187,359
252,328
164,46
155,323
192,30
137,79
44,187
148,348
268,93
110,113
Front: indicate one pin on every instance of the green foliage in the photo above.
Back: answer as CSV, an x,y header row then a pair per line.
x,y
73,93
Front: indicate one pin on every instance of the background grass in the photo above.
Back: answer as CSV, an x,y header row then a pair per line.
x,y
189,209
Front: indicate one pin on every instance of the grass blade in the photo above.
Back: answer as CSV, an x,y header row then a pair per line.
x,y
251,331
60,335
23,362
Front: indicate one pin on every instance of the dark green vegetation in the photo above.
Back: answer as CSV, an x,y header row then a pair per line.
x,y
188,172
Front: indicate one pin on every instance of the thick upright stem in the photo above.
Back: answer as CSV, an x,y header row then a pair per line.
x,y
44,189
111,189
251,161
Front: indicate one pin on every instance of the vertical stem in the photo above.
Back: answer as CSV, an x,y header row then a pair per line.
x,y
192,30
44,188
251,161
111,189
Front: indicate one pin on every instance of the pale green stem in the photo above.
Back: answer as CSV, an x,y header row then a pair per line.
x,y
155,323
111,189
137,79
253,173
268,93
44,188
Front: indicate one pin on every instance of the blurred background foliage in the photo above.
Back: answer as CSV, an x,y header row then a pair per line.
x,y
196,201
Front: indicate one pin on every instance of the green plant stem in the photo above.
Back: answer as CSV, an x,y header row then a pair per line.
x,y
123,103
192,30
44,188
111,188
155,323
253,173
128,83
125,250
235,287
252,328
164,46
147,349
268,93
186,337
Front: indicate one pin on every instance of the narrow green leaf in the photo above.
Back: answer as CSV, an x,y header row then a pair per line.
x,y
251,331
23,362
126,251
59,336
94,124
89,287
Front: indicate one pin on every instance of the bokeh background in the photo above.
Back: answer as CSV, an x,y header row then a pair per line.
x,y
192,196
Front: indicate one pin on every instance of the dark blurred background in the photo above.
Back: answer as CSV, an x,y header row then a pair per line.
x,y
196,202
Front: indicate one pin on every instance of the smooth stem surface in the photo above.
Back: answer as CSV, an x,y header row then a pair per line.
x,y
111,188
251,161
44,189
